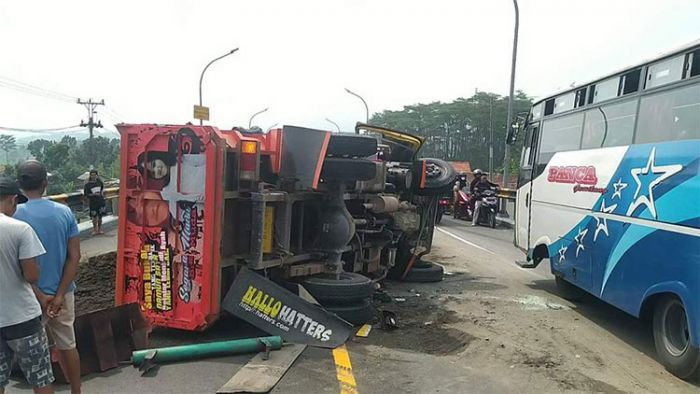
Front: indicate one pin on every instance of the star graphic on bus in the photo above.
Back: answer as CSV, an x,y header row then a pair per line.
x,y
619,187
654,175
562,254
579,240
602,222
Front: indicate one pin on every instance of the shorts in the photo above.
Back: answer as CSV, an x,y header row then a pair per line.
x,y
32,355
60,328
98,212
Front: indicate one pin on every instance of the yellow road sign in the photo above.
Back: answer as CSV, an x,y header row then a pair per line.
x,y
201,112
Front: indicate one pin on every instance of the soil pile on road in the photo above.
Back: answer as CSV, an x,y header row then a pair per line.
x,y
95,284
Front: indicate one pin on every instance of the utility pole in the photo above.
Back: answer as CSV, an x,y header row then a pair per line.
x,y
491,138
506,159
90,106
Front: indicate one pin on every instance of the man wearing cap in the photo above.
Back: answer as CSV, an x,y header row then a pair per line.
x,y
21,332
57,229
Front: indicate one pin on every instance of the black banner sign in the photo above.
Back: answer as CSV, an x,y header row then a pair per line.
x,y
277,311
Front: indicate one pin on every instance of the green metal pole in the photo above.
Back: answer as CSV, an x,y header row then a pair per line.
x,y
211,349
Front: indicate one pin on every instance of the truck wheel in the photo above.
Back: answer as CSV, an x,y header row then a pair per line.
x,y
568,291
349,288
440,176
672,339
351,145
355,314
424,272
338,169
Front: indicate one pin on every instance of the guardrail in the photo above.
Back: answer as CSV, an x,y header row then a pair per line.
x,y
507,194
76,201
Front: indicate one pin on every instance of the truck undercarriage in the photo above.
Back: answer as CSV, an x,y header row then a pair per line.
x,y
335,212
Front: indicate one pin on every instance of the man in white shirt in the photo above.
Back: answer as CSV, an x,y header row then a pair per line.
x,y
21,332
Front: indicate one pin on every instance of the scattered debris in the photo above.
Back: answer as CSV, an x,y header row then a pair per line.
x,y
427,323
145,360
363,332
400,299
388,320
260,375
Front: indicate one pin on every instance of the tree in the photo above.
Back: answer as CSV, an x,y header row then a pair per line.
x,y
37,147
459,130
7,143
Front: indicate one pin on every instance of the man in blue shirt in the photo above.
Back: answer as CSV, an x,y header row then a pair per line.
x,y
58,231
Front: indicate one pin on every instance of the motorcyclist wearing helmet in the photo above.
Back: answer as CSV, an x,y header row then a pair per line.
x,y
477,178
482,184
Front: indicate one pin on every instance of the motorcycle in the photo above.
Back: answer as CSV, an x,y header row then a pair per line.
x,y
489,208
463,206
443,206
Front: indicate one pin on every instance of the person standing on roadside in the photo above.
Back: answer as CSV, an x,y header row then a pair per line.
x,y
21,332
58,231
94,192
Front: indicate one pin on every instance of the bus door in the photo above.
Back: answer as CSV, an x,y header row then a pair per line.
x,y
524,195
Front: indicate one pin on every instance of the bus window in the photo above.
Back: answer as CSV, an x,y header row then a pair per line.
x,y
609,125
606,90
580,99
559,135
670,116
564,103
693,68
665,71
629,82
537,111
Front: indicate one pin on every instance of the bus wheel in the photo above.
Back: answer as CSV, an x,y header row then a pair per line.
x,y
568,291
672,339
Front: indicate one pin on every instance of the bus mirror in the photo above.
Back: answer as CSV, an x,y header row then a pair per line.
x,y
512,134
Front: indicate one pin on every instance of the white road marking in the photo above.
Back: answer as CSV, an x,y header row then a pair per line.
x,y
463,240
528,271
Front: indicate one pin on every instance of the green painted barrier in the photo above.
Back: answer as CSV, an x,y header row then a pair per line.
x,y
211,349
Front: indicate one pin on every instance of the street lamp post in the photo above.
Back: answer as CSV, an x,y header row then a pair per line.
x,y
201,77
363,102
270,128
509,119
334,124
250,122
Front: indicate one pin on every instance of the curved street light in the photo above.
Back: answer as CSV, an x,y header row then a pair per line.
x,y
363,102
250,122
334,124
201,77
270,128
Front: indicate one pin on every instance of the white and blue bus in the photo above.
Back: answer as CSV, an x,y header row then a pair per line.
x,y
609,192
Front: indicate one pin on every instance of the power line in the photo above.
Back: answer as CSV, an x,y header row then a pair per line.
x,y
22,87
37,130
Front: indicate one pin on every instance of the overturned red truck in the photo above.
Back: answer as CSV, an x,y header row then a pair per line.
x,y
333,211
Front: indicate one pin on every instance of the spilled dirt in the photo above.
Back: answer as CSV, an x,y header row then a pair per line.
x,y
95,283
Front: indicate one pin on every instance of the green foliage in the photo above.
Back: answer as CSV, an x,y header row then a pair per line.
x,y
7,144
67,159
460,130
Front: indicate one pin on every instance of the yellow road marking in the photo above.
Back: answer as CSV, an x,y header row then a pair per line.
x,y
343,371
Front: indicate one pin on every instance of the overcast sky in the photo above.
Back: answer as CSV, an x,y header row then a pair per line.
x,y
296,57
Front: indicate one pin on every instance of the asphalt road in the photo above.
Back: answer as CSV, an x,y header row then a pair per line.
x,y
489,326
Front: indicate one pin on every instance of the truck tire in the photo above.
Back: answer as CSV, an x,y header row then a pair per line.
x,y
338,169
672,339
425,272
440,176
356,314
568,291
351,145
348,289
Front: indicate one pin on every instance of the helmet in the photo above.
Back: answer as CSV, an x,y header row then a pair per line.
x,y
477,172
